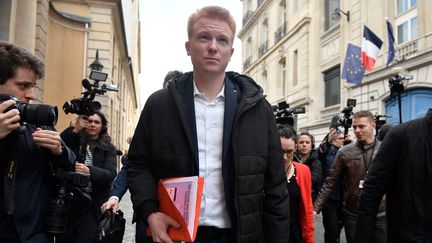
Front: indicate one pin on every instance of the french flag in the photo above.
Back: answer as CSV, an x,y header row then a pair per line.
x,y
371,45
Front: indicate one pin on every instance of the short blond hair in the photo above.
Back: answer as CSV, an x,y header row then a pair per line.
x,y
212,12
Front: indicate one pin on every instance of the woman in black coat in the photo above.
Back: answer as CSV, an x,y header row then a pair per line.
x,y
97,159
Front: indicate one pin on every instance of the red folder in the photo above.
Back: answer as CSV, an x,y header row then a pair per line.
x,y
167,206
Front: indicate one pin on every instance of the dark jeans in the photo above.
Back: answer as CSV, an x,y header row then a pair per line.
x,y
380,233
332,221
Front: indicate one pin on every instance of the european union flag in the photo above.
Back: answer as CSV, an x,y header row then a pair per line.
x,y
391,39
353,69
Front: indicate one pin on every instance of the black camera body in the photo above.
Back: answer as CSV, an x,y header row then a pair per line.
x,y
86,104
69,187
284,114
346,120
36,114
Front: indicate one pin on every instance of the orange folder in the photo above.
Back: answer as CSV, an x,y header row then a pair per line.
x,y
167,206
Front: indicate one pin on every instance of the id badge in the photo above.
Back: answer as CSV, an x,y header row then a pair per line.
x,y
361,184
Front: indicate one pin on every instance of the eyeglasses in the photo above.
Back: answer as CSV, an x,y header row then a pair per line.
x,y
288,152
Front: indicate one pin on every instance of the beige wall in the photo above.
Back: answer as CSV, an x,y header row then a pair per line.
x,y
64,60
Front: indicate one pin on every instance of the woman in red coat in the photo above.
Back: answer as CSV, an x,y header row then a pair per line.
x,y
300,190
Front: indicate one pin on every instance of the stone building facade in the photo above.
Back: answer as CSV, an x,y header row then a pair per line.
x,y
295,49
66,34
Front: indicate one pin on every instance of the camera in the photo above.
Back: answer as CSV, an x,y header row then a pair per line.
x,y
36,114
346,120
86,104
284,115
72,187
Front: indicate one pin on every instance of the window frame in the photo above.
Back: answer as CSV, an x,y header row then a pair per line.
x,y
332,78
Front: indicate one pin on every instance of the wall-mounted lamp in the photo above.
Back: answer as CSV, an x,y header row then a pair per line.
x,y
96,64
336,15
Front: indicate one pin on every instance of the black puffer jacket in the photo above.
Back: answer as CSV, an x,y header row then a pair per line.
x,y
402,170
164,145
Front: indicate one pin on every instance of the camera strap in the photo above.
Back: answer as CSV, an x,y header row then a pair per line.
x,y
9,182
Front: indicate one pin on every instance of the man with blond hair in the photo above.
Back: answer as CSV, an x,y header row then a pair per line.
x,y
216,125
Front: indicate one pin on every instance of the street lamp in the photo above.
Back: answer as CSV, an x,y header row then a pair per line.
x,y
336,15
96,70
96,64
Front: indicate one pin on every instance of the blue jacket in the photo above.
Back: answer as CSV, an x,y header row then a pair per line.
x,y
120,185
33,183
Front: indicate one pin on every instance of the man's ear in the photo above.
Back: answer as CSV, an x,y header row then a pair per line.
x,y
187,46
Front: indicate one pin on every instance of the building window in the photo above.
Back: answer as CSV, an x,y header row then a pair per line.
x,y
405,5
330,6
264,38
415,104
283,77
406,20
295,67
5,15
248,52
332,87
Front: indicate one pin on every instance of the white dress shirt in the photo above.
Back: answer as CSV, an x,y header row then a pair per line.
x,y
209,117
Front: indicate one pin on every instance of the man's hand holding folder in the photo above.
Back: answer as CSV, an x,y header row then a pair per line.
x,y
159,224
179,205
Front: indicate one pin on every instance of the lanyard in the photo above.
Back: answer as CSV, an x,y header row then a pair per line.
x,y
367,164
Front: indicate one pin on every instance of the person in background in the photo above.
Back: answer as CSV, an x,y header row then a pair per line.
x,y
118,190
299,187
27,154
332,210
402,170
352,163
307,155
98,160
383,131
170,76
217,125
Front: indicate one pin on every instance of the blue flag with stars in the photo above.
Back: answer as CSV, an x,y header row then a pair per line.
x,y
353,69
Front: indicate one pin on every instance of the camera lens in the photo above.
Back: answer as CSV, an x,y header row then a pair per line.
x,y
39,114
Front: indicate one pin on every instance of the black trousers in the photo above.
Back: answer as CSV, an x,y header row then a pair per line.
x,y
83,230
332,221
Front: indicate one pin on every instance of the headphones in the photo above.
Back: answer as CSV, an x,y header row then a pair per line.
x,y
310,136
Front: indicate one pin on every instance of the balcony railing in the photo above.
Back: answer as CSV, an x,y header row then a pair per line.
x,y
280,33
247,63
247,16
406,49
263,48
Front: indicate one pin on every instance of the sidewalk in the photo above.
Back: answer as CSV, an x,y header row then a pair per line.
x,y
126,207
129,236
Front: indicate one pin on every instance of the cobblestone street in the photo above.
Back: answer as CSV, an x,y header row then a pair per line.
x,y
129,236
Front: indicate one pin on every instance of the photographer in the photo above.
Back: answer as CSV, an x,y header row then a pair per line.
x,y
27,152
97,158
332,210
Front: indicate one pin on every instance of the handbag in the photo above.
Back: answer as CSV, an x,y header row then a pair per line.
x,y
111,227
